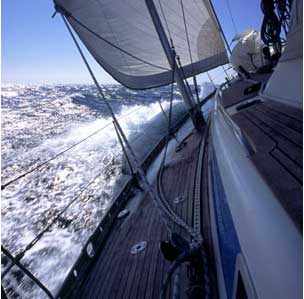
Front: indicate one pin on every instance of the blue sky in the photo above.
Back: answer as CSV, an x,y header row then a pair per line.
x,y
38,49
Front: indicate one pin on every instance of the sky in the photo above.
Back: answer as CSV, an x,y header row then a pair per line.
x,y
37,49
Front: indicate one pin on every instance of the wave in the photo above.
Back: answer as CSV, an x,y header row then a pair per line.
x,y
29,138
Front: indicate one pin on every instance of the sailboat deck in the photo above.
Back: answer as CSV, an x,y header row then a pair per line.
x,y
239,90
275,131
116,272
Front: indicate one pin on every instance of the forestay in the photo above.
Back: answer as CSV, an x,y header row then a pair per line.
x,y
122,38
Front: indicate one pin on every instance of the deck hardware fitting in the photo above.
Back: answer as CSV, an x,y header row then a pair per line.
x,y
180,146
75,273
123,214
90,250
138,247
178,199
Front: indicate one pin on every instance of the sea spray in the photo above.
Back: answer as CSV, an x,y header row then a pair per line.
x,y
37,123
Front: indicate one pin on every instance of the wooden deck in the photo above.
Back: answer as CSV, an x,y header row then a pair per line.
x,y
275,131
119,274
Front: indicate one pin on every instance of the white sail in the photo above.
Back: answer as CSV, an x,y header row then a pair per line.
x,y
121,37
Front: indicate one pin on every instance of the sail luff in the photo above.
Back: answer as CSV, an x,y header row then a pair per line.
x,y
220,28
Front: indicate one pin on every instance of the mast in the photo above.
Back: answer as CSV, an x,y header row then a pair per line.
x,y
195,114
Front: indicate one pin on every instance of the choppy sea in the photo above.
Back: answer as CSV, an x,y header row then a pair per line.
x,y
40,121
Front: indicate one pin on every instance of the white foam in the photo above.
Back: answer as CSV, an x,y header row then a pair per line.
x,y
30,203
9,94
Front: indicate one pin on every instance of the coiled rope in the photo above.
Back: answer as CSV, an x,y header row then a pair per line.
x,y
277,14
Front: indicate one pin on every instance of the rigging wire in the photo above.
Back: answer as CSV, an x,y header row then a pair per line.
x,y
196,245
68,15
211,80
167,119
166,22
218,75
231,16
172,46
190,53
164,205
124,116
52,158
164,209
184,76
47,227
63,152
146,186
220,29
26,271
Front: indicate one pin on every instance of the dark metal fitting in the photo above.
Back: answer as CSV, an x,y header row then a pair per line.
x,y
61,10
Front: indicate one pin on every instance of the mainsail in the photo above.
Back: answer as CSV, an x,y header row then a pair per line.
x,y
122,38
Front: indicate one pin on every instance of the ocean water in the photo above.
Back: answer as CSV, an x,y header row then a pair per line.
x,y
40,121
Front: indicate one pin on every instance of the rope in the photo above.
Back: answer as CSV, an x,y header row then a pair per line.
x,y
68,15
166,209
46,228
177,263
284,11
184,257
271,25
62,152
197,208
197,248
162,205
148,189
